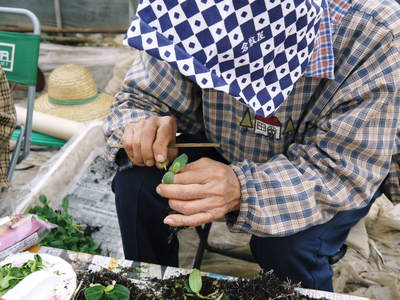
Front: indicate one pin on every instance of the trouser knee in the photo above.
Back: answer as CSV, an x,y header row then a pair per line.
x,y
295,259
141,212
135,191
304,256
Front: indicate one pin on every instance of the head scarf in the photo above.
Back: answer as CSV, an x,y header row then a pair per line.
x,y
253,50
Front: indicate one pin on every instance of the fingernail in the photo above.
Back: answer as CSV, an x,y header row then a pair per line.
x,y
160,158
149,163
158,190
167,221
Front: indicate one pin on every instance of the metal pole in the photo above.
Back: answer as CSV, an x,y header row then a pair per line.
x,y
132,8
28,122
17,149
22,11
57,10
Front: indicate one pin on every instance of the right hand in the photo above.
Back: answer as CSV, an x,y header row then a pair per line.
x,y
146,142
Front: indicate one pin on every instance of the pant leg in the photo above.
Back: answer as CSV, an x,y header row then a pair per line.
x,y
141,210
304,256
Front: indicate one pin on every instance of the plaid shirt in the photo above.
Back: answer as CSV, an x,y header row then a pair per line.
x,y
329,146
322,62
8,120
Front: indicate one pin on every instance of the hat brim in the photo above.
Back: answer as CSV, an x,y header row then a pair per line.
x,y
94,110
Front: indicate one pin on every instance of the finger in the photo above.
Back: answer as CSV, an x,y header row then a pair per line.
x,y
191,176
200,164
182,191
166,133
192,207
199,171
147,137
136,147
194,220
127,140
172,153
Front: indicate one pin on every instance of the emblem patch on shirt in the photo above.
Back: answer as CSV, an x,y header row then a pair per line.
x,y
270,127
246,120
289,128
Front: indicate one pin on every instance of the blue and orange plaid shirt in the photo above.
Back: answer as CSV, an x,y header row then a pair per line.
x,y
328,148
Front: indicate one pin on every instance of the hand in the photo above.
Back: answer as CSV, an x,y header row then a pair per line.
x,y
146,142
203,191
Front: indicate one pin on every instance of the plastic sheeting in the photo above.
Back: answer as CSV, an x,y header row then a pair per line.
x,y
74,13
371,267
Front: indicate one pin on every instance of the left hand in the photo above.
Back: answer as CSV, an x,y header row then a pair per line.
x,y
203,191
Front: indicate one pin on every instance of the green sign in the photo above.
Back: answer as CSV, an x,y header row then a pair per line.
x,y
7,54
19,54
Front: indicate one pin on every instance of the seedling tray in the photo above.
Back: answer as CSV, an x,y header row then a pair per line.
x,y
143,272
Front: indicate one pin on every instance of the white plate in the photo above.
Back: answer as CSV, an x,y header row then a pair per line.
x,y
57,281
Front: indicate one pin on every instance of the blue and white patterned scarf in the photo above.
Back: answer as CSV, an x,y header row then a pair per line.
x,y
254,50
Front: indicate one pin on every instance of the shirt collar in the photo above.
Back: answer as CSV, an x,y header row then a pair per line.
x,y
322,62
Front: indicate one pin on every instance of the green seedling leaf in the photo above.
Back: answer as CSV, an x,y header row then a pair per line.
x,y
38,259
168,178
195,281
179,163
187,287
43,199
65,204
176,166
119,292
66,235
108,288
94,292
223,297
164,164
10,276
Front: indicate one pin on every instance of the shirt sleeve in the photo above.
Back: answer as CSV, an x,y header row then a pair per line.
x,y
152,87
8,121
338,165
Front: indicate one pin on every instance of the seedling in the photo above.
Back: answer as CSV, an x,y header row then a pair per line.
x,y
264,286
168,178
67,235
194,284
175,167
164,164
179,163
109,292
10,276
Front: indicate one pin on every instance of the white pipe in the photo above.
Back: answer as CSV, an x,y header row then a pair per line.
x,y
51,125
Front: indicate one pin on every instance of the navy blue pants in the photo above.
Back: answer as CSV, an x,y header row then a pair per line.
x,y
301,257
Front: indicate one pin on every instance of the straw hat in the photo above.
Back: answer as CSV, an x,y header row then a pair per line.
x,y
72,94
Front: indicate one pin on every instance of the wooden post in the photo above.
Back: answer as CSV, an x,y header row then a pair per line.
x,y
57,11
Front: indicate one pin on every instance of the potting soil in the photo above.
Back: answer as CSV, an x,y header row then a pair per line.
x,y
265,286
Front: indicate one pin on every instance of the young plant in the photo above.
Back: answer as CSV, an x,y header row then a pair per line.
x,y
67,235
164,164
110,292
194,284
10,276
175,167
168,178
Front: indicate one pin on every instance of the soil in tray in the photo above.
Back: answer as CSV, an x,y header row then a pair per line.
x,y
265,286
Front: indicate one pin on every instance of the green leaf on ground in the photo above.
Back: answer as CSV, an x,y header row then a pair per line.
x,y
67,235
195,281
